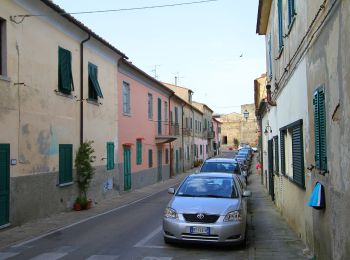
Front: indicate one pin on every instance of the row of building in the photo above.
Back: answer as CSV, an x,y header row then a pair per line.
x,y
61,84
302,105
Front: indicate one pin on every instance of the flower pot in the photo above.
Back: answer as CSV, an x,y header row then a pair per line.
x,y
88,204
77,206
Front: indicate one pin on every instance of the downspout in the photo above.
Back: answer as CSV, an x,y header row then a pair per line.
x,y
82,89
182,137
269,98
170,151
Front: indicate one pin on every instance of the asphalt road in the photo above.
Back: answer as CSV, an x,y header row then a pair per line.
x,y
130,232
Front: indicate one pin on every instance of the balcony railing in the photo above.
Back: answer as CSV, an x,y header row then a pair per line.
x,y
164,129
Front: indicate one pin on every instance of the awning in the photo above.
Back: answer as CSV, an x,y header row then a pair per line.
x,y
317,199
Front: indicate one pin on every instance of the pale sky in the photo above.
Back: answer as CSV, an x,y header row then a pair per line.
x,y
201,43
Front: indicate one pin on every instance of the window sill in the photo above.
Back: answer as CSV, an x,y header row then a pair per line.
x,y
93,102
280,53
294,182
127,114
61,185
290,26
5,78
59,93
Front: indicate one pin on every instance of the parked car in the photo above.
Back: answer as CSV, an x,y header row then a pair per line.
x,y
209,208
227,165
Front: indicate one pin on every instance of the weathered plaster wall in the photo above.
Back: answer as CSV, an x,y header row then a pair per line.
x,y
328,62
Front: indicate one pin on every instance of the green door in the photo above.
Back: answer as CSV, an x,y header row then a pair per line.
x,y
4,183
159,116
127,168
177,161
160,163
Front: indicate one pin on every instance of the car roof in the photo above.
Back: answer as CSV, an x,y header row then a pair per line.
x,y
212,174
221,160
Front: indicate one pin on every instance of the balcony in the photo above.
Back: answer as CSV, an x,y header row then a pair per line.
x,y
166,133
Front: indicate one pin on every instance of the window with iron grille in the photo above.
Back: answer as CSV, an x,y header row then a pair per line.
x,y
138,151
126,98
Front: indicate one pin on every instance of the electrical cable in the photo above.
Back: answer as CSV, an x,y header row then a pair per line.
x,y
121,9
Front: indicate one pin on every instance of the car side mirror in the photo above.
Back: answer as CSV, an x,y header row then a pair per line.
x,y
171,191
247,193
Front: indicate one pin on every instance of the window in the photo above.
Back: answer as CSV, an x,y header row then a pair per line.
x,y
150,158
65,78
282,147
110,156
126,98
65,163
176,115
320,130
201,149
150,106
138,151
291,11
186,122
166,156
165,111
191,123
280,24
293,153
3,47
188,152
224,139
206,149
94,86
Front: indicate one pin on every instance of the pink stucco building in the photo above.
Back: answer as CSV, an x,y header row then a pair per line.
x,y
145,131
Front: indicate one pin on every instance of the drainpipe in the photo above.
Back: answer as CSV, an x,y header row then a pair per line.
x,y
82,89
182,137
170,151
269,98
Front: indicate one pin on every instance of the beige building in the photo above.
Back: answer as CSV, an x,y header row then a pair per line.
x,y
241,127
56,92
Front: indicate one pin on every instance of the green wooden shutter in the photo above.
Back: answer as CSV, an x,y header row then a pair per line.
x,y
282,145
317,130
65,163
322,129
93,82
159,116
150,158
275,141
166,155
291,11
138,151
110,156
65,78
298,155
4,183
270,156
280,24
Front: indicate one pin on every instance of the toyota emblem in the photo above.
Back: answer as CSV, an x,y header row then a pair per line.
x,y
200,216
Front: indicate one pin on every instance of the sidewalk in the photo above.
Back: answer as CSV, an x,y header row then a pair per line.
x,y
11,236
269,235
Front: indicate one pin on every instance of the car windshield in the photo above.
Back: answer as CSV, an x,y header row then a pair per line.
x,y
208,186
229,167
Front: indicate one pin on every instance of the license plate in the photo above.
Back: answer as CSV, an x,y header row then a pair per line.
x,y
200,230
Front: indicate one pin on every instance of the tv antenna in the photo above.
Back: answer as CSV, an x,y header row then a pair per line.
x,y
155,71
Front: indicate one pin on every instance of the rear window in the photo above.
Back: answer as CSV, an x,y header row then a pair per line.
x,y
228,167
211,187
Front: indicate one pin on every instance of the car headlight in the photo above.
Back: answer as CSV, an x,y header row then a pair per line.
x,y
233,216
170,213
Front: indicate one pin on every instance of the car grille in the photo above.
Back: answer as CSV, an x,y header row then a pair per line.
x,y
205,218
188,236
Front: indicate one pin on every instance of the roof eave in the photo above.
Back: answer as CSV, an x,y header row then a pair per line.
x,y
263,16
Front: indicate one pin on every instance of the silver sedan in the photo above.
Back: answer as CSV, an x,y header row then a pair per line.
x,y
207,208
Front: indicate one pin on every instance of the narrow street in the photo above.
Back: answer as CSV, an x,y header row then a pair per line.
x,y
133,231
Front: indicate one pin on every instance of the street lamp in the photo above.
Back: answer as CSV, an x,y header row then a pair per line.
x,y
268,129
246,114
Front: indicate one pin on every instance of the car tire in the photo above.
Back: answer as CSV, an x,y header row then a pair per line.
x,y
167,240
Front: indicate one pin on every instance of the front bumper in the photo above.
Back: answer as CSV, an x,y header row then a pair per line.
x,y
220,232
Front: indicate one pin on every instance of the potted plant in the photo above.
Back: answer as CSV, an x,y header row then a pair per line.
x,y
85,173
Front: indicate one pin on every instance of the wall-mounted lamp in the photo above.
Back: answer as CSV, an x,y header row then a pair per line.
x,y
246,114
267,129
